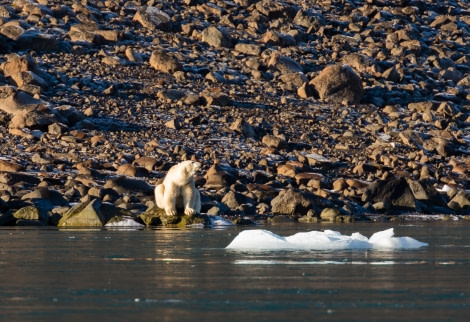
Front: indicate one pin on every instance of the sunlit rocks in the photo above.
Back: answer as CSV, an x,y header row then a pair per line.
x,y
32,213
153,18
291,203
338,83
361,107
217,37
164,62
85,214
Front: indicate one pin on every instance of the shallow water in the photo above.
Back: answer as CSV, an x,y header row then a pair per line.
x,y
113,275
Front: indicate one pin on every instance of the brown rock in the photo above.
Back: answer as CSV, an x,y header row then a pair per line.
x,y
339,84
248,49
12,30
164,62
243,127
284,64
17,64
146,162
153,18
14,102
9,166
305,91
108,35
132,171
219,176
274,142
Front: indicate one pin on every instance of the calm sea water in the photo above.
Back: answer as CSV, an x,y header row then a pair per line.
x,y
176,275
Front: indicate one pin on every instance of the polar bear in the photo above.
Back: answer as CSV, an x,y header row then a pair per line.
x,y
178,190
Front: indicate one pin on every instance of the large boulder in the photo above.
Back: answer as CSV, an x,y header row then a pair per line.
x,y
85,214
155,216
394,192
217,37
428,199
153,18
290,202
339,84
237,201
460,202
54,197
220,176
31,213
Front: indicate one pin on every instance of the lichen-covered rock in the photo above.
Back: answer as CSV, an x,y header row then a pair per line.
x,y
157,217
32,213
151,217
85,214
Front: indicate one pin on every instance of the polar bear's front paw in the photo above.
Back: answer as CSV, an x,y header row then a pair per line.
x,y
170,212
189,211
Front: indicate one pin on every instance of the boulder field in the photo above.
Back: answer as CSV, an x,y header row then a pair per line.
x,y
299,111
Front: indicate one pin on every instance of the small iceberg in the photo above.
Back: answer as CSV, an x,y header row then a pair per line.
x,y
260,239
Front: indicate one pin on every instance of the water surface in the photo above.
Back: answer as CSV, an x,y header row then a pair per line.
x,y
114,275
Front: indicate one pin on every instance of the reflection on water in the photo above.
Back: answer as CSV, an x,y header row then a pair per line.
x,y
110,275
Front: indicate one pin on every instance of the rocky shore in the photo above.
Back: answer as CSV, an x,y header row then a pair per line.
x,y
307,111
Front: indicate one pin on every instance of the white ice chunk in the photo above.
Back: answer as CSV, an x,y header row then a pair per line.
x,y
125,222
260,239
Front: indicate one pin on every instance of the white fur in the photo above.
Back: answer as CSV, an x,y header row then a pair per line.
x,y
178,190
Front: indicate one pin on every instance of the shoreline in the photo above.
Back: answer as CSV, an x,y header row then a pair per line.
x,y
297,110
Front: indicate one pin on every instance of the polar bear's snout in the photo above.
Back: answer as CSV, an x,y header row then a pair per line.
x,y
196,165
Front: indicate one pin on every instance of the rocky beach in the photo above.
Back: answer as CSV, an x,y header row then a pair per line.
x,y
299,111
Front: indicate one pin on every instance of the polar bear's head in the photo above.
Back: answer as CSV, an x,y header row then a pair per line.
x,y
190,167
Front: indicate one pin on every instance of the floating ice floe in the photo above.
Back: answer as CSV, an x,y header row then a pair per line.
x,y
260,239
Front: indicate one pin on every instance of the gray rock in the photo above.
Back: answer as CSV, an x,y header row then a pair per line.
x,y
153,18
217,37
237,201
291,203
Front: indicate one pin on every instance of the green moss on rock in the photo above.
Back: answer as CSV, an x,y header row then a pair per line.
x,y
31,213
157,217
86,214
